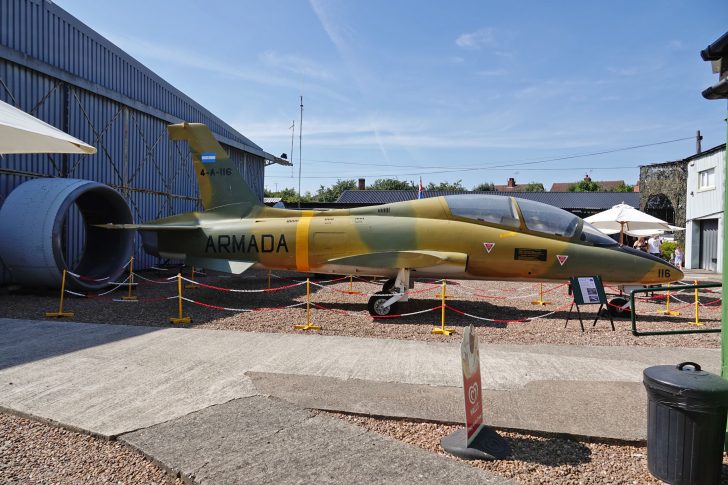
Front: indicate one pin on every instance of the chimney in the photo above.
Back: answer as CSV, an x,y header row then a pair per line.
x,y
511,182
362,184
587,178
698,137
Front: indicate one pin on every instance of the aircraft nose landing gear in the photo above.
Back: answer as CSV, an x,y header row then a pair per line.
x,y
378,307
387,302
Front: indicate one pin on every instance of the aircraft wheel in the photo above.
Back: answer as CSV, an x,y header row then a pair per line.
x,y
615,307
389,285
376,305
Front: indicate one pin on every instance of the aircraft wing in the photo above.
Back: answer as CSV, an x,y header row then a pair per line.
x,y
149,227
224,265
403,259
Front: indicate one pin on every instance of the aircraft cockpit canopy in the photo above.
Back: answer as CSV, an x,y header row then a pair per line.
x,y
596,237
540,217
537,216
494,209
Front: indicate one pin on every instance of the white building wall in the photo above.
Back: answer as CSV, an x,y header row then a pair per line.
x,y
704,204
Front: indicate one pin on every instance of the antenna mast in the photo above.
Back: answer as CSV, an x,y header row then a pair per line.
x,y
300,137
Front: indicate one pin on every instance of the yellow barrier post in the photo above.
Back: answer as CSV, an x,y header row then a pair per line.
x,y
540,297
442,330
60,313
309,325
667,311
130,281
351,283
697,306
180,319
192,286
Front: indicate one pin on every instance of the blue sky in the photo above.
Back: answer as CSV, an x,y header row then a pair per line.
x,y
473,90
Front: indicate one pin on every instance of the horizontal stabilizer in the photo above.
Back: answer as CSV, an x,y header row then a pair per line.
x,y
149,227
224,265
403,259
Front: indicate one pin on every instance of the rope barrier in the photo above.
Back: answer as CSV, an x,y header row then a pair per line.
x,y
407,314
412,292
234,290
165,281
522,320
242,310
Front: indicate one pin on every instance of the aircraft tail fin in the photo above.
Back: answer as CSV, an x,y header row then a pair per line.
x,y
222,188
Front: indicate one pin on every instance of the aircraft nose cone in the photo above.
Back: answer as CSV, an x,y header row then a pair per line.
x,y
654,270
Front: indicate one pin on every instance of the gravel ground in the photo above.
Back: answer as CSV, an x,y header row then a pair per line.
x,y
37,453
536,459
33,452
505,308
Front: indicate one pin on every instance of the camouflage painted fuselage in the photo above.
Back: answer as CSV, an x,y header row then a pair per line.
x,y
421,235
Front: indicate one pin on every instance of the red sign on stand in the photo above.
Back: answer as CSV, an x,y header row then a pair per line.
x,y
472,384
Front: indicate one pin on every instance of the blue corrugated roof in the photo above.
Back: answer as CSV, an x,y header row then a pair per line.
x,y
564,200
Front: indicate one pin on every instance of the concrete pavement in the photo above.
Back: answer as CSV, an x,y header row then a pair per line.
x,y
128,381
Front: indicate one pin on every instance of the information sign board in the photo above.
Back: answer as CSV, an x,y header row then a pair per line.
x,y
472,384
588,290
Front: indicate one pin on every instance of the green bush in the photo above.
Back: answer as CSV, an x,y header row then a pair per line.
x,y
667,249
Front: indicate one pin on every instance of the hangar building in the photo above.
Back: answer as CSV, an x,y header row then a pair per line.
x,y
61,71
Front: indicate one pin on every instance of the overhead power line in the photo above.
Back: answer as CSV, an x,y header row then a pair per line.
x,y
391,175
500,165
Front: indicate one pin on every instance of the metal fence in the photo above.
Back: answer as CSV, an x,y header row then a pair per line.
x,y
59,70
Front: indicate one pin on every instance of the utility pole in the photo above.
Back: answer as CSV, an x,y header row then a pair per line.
x,y
300,160
293,133
698,148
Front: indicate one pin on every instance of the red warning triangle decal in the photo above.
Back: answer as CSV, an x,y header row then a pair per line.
x,y
562,259
488,246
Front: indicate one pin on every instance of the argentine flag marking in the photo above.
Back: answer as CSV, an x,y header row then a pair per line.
x,y
208,157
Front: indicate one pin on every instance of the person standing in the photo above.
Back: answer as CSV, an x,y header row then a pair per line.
x,y
678,257
641,244
653,245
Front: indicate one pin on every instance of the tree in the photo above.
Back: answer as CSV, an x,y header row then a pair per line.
x,y
287,195
585,186
484,187
623,188
457,186
392,184
330,194
534,187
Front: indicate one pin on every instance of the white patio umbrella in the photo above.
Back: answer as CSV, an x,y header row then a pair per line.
x,y
652,232
23,133
623,218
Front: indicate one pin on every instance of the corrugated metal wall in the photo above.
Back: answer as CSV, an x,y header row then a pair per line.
x,y
61,71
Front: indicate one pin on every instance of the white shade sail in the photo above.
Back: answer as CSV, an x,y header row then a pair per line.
x,y
23,133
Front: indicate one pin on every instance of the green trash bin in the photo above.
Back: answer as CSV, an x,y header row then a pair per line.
x,y
686,423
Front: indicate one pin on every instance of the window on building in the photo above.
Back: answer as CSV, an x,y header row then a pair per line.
x,y
706,179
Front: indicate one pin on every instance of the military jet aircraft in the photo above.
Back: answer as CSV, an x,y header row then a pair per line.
x,y
489,237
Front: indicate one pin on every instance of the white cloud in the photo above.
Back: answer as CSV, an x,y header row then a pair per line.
x,y
296,65
492,72
475,40
337,31
187,58
494,130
